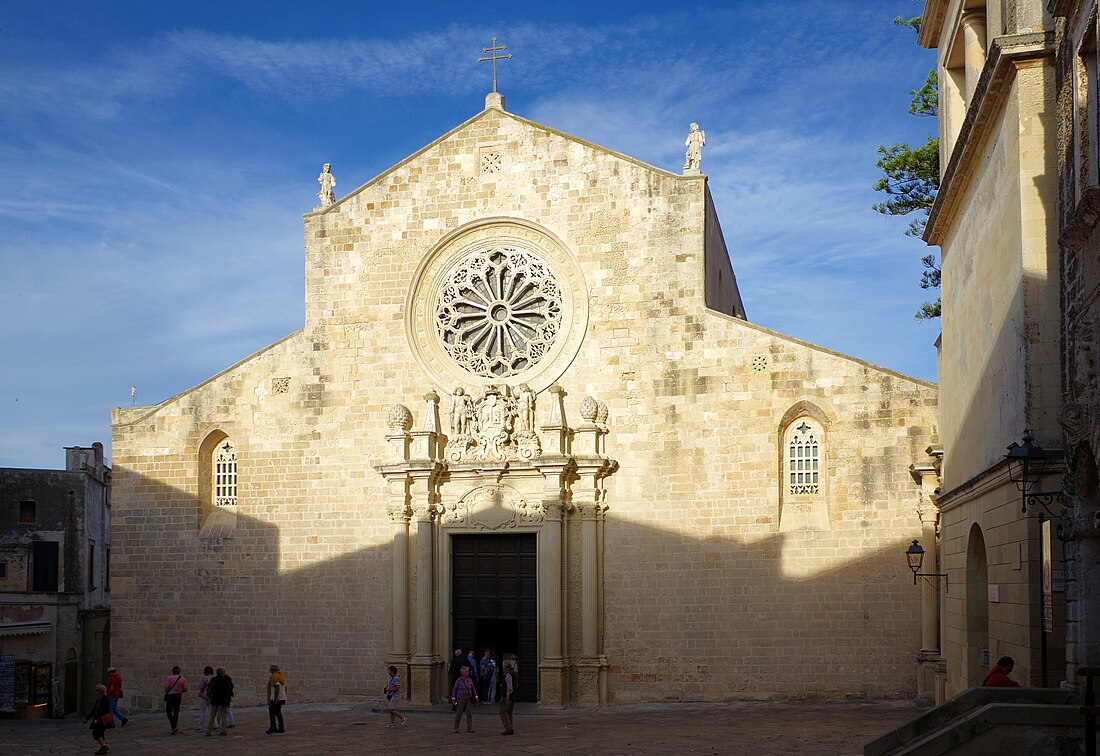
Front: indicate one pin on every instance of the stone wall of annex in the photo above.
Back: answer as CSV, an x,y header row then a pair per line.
x,y
705,596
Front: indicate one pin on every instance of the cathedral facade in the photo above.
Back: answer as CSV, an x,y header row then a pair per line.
x,y
526,412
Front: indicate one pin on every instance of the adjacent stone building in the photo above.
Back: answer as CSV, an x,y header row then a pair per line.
x,y
996,223
1079,202
526,412
55,547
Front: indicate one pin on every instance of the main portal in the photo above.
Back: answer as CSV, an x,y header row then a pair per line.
x,y
494,595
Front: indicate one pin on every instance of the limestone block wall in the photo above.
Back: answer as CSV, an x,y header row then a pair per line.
x,y
992,558
703,596
999,346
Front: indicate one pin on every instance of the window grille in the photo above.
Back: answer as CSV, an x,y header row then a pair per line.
x,y
804,461
225,475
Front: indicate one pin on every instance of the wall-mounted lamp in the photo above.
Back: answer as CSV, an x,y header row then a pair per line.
x,y
1026,464
914,555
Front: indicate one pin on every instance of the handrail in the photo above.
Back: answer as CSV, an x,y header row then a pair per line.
x,y
1090,708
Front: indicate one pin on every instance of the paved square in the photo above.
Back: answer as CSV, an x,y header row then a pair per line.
x,y
759,729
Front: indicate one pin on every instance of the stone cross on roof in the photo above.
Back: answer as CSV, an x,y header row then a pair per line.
x,y
492,50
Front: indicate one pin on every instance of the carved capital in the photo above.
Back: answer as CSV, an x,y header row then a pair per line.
x,y
398,511
423,511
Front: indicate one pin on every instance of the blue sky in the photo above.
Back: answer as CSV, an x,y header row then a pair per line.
x,y
156,158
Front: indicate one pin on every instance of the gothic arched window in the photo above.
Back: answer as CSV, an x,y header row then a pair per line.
x,y
804,460
225,474
217,486
803,503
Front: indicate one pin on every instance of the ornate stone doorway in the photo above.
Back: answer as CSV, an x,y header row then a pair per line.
x,y
494,600
490,524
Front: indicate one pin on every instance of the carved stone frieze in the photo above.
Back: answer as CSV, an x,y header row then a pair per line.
x,y
493,507
496,427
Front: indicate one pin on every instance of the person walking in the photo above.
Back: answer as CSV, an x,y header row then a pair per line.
x,y
393,694
221,695
204,697
100,717
114,695
175,685
232,719
464,698
508,698
276,697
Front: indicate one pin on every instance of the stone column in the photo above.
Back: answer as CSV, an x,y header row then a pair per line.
x,y
399,566
423,659
929,660
590,628
398,420
591,665
552,666
974,50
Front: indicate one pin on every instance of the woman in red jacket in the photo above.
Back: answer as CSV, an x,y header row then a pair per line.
x,y
114,695
997,677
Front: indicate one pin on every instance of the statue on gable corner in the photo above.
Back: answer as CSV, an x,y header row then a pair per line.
x,y
696,138
328,184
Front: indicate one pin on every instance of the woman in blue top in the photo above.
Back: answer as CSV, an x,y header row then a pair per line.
x,y
393,692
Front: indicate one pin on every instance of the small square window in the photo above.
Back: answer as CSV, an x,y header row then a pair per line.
x,y
3,570
28,513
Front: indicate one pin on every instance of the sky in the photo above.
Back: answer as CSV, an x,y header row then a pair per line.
x,y
156,159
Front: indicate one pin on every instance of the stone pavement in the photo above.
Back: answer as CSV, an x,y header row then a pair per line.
x,y
756,729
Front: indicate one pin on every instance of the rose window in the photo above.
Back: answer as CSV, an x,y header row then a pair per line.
x,y
499,312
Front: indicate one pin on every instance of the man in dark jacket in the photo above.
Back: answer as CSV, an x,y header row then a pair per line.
x,y
221,695
997,677
456,665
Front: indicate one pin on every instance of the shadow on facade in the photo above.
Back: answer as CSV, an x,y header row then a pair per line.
x,y
683,618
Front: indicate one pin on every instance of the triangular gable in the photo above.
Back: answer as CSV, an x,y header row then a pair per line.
x,y
484,114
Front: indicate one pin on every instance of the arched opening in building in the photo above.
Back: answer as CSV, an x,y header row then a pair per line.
x,y
977,608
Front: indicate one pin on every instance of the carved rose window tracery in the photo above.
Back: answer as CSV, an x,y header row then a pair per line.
x,y
499,312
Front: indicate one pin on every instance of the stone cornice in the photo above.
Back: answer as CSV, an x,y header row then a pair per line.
x,y
989,479
935,11
1005,55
